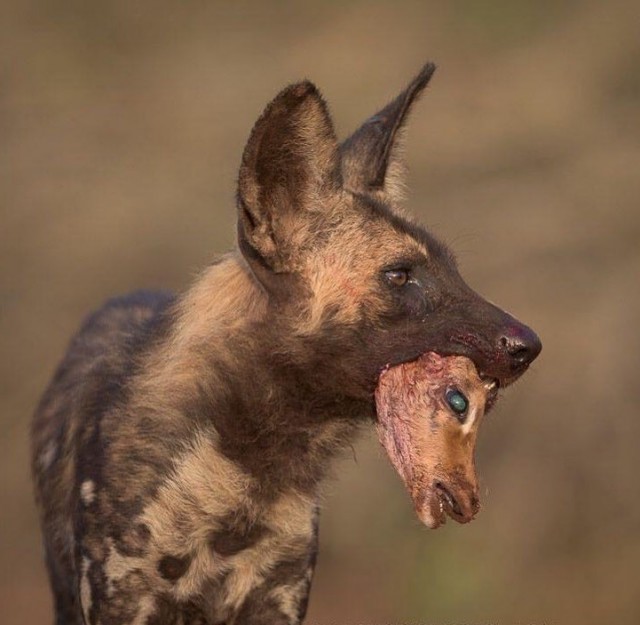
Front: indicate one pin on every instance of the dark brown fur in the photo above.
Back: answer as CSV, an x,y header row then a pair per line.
x,y
178,451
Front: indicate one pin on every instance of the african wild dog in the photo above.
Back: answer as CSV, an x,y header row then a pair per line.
x,y
178,450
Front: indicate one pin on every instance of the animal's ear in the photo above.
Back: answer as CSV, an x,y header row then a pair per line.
x,y
371,159
290,167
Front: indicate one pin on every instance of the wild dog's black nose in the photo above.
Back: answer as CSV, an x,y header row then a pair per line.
x,y
521,344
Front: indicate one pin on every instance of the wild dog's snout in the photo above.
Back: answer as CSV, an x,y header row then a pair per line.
x,y
500,346
521,345
516,347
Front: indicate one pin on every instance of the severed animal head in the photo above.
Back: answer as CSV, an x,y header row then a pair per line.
x,y
429,413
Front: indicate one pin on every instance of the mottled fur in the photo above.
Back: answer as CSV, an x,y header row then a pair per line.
x,y
178,451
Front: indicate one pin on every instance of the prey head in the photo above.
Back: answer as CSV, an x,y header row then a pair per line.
x,y
429,413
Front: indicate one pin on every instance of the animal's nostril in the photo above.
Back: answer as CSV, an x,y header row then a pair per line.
x,y
521,344
521,353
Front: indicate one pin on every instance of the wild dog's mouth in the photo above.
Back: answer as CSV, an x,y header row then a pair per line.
x,y
429,442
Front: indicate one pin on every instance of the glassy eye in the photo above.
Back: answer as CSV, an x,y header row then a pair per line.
x,y
397,277
457,402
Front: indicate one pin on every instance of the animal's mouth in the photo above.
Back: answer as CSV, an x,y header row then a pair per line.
x,y
448,503
440,502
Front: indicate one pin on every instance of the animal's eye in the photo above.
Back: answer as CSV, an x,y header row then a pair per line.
x,y
457,402
397,277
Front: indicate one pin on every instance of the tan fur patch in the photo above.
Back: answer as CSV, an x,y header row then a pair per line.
x,y
344,276
118,566
146,606
203,486
217,305
291,520
289,597
85,588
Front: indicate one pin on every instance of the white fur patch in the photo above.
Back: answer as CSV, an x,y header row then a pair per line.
x,y
146,605
88,492
118,566
204,487
48,455
85,588
467,426
289,597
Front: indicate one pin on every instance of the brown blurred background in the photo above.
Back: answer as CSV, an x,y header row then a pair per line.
x,y
121,129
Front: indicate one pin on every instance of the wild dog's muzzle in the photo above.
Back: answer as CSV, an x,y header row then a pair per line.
x,y
501,347
429,412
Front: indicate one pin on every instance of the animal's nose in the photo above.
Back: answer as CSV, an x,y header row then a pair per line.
x,y
521,344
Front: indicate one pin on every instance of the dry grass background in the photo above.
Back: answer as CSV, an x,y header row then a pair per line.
x,y
121,128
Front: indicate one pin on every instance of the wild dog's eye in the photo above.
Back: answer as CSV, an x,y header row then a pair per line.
x,y
457,402
397,277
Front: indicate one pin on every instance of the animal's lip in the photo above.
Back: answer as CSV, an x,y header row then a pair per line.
x,y
448,504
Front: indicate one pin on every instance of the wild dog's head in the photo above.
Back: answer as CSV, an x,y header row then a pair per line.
x,y
354,285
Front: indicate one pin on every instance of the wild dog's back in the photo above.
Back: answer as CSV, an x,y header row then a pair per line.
x,y
90,378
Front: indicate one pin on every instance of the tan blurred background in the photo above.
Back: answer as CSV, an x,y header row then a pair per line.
x,y
121,129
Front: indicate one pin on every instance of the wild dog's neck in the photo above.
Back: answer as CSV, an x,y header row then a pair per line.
x,y
220,366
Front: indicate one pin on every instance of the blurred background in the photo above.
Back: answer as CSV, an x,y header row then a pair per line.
x,y
121,129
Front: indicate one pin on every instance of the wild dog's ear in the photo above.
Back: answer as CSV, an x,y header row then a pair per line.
x,y
290,165
371,163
